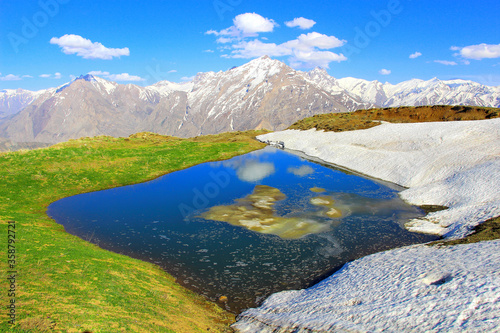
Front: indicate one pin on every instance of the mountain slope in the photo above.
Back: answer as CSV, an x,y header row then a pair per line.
x,y
13,101
419,92
263,93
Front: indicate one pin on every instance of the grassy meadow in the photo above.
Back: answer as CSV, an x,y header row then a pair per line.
x,y
65,284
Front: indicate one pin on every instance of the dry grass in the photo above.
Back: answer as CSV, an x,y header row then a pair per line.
x,y
363,119
488,230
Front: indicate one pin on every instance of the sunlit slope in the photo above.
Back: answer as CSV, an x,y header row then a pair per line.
x,y
363,119
69,285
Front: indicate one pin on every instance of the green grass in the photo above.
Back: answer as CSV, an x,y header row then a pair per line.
x,y
65,284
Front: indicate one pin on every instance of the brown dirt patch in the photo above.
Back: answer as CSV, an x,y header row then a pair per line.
x,y
363,119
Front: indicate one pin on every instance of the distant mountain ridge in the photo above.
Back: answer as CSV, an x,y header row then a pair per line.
x,y
14,100
263,93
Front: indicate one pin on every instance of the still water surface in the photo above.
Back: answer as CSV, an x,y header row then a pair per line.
x,y
161,221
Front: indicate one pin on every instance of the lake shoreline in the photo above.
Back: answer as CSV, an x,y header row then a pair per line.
x,y
318,229
452,164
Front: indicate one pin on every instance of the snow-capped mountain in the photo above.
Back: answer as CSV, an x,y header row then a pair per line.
x,y
263,93
419,92
14,100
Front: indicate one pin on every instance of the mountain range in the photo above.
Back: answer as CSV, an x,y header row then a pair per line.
x,y
264,93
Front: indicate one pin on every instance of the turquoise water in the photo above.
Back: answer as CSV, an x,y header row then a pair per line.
x,y
160,222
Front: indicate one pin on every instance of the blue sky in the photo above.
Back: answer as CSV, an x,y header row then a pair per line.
x,y
49,42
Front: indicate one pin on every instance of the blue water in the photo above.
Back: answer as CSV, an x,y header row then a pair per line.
x,y
159,221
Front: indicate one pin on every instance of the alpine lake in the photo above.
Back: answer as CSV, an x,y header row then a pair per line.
x,y
239,230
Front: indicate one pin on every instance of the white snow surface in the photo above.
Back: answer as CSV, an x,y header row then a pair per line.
x,y
452,164
411,289
417,288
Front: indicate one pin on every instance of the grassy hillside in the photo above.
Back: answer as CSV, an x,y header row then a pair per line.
x,y
65,284
363,119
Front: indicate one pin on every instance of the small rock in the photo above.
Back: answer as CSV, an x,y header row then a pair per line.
x,y
436,278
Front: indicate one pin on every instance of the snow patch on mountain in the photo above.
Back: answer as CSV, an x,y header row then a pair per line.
x,y
14,100
105,85
418,92
263,93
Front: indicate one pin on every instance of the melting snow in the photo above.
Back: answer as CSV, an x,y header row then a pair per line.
x,y
392,292
416,288
453,164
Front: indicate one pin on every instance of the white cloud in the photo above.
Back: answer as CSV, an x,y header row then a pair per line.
x,y
117,77
172,71
301,171
415,55
256,48
208,51
224,48
98,73
251,23
254,171
306,51
85,48
446,62
49,76
244,25
478,52
125,77
187,78
309,59
10,77
27,76
301,23
384,71
224,40
311,40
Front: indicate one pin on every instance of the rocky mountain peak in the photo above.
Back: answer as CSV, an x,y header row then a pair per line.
x,y
86,77
263,93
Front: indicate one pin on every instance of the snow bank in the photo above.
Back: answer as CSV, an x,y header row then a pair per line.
x,y
453,164
416,288
412,289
